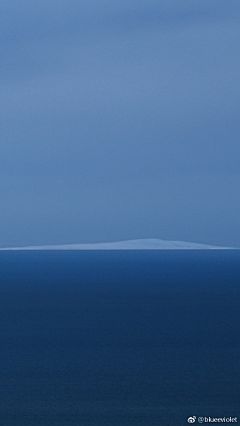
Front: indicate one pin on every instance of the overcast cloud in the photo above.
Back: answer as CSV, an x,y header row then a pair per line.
x,y
119,120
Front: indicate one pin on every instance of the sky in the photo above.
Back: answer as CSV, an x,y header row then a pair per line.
x,y
119,120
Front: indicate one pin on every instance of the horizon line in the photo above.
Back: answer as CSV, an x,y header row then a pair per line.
x,y
136,244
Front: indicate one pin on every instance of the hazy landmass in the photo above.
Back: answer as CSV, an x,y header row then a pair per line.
x,y
140,244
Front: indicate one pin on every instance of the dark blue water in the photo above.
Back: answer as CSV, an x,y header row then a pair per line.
x,y
126,338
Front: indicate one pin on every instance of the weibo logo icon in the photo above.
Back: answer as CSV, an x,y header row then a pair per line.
x,y
191,419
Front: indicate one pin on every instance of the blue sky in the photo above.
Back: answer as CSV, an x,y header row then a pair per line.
x,y
119,120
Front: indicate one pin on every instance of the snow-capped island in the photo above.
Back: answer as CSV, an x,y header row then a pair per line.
x,y
140,244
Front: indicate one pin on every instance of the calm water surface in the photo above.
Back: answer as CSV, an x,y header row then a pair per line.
x,y
125,338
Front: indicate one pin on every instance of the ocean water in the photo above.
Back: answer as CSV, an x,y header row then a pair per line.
x,y
125,338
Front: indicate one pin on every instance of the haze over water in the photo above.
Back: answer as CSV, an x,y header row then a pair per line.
x,y
119,121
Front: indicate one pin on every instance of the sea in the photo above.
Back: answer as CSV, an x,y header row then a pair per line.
x,y
121,337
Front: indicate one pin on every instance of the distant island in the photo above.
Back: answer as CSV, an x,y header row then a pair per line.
x,y
140,244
